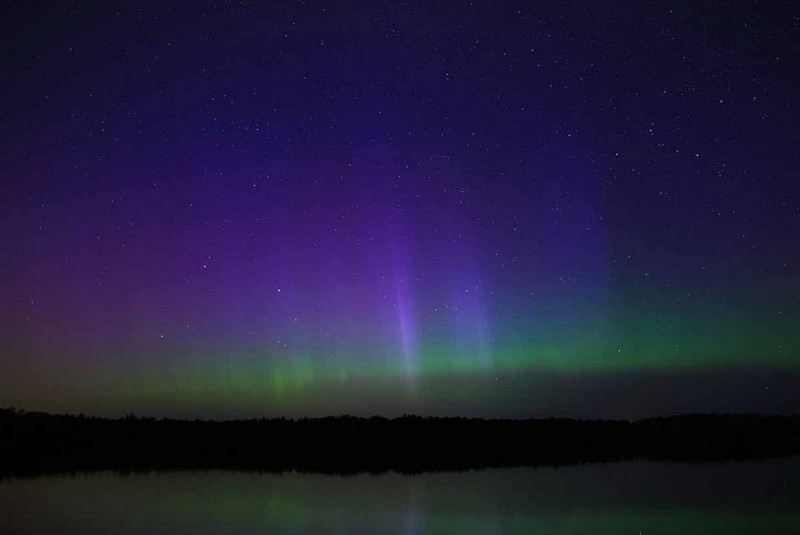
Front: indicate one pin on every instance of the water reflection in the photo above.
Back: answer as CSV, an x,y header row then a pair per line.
x,y
634,497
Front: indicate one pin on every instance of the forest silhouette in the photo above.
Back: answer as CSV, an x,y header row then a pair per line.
x,y
35,442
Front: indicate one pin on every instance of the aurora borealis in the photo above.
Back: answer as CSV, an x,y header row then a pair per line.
x,y
305,209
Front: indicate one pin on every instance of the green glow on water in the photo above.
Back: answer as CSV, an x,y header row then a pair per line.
x,y
651,498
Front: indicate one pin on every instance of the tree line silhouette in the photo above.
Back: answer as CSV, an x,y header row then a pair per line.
x,y
35,442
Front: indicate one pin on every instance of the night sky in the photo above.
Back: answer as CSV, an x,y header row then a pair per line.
x,y
502,209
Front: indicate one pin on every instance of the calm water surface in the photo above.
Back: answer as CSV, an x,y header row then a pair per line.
x,y
634,497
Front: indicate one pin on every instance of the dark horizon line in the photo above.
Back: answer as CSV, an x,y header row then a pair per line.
x,y
211,420
36,443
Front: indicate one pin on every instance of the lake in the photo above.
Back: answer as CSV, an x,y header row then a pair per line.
x,y
619,498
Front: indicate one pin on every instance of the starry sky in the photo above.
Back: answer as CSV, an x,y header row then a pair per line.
x,y
505,209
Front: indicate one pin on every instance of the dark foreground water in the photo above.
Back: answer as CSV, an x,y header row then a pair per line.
x,y
619,498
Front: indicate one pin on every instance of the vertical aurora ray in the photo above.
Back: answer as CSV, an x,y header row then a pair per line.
x,y
405,316
406,327
469,315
